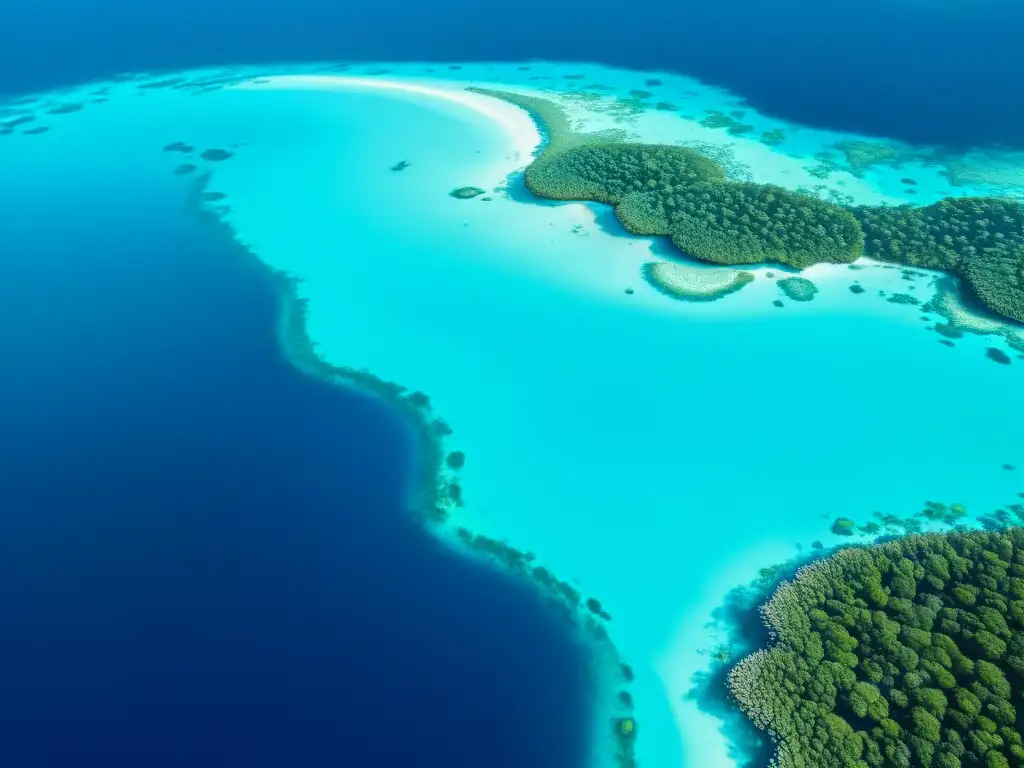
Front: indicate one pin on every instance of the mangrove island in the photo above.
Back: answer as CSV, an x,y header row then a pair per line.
x,y
678,192
907,653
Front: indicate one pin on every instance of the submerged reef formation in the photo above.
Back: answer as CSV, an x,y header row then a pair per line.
x,y
466,193
682,281
682,193
798,288
862,156
436,494
960,319
907,653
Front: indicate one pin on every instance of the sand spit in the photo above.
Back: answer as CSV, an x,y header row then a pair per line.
x,y
516,124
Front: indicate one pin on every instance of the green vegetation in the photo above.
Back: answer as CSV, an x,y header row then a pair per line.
x,y
931,512
981,239
798,288
731,123
685,194
908,653
948,302
676,191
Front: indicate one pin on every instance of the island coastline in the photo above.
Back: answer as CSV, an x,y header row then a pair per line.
x,y
433,497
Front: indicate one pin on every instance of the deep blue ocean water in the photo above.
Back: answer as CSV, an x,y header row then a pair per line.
x,y
204,560
926,71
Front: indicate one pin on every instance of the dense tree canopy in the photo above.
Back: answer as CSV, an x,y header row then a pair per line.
x,y
661,189
979,238
666,190
908,653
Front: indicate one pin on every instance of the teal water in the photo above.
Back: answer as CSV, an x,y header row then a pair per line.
x,y
657,453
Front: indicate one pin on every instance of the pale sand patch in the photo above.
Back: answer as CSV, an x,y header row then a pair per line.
x,y
519,127
689,282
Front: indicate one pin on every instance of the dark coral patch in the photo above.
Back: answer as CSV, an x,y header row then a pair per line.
x,y
997,355
170,82
12,124
216,155
65,109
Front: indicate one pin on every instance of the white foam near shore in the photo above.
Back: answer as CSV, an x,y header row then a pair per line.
x,y
653,452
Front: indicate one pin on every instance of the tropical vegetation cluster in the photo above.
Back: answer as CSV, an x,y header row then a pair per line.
x,y
979,238
908,653
677,191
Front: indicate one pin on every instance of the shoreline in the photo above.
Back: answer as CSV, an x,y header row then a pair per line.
x,y
649,214
433,496
524,134
755,679
428,492
441,496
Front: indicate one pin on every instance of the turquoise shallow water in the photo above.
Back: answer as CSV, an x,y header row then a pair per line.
x,y
657,453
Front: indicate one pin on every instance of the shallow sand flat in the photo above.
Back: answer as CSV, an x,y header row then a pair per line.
x,y
658,452
657,461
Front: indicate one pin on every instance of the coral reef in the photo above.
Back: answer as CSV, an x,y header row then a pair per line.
x,y
962,319
863,155
798,288
436,493
466,193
